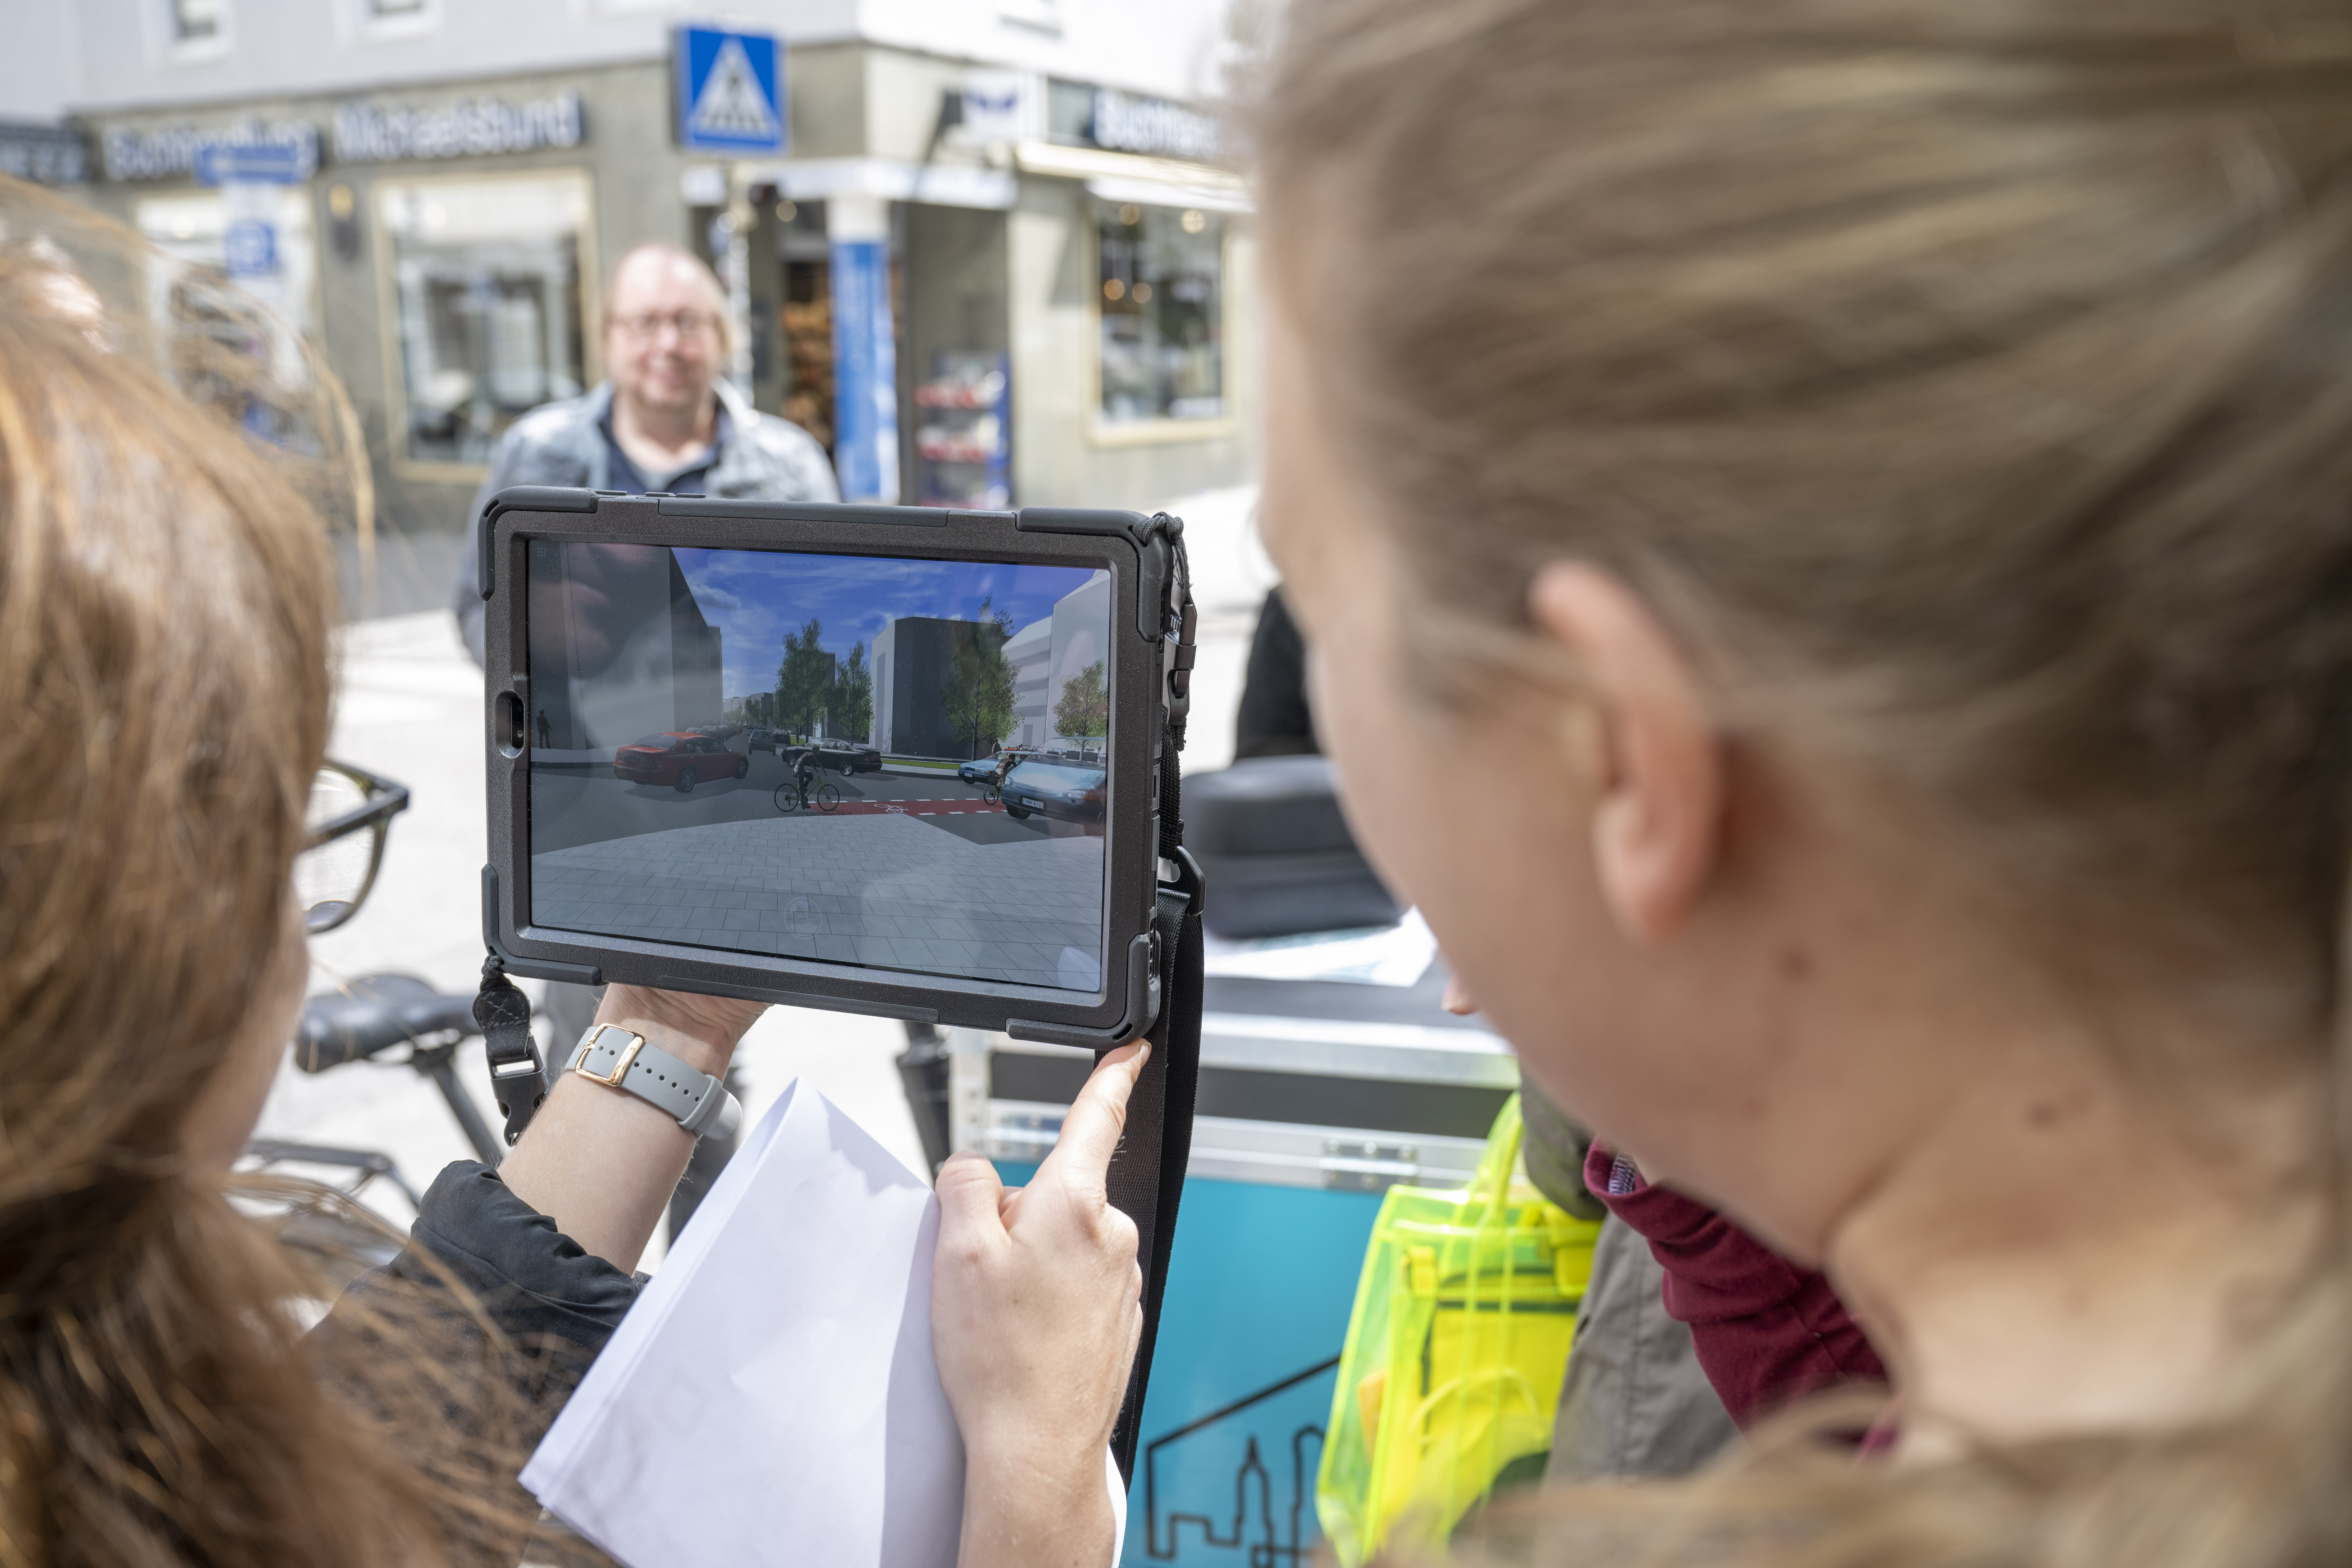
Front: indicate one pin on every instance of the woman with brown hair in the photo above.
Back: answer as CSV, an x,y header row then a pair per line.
x,y
165,595
1875,479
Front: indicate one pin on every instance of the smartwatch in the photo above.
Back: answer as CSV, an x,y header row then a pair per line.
x,y
618,1059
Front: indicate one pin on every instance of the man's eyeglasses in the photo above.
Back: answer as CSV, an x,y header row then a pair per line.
x,y
687,324
350,812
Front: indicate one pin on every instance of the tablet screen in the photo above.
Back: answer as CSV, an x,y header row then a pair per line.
x,y
894,763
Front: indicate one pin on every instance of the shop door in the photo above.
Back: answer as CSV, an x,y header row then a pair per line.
x,y
805,322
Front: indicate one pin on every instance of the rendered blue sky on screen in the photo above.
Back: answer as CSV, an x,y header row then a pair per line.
x,y
754,596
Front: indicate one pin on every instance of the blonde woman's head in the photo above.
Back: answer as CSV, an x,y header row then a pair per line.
x,y
1860,494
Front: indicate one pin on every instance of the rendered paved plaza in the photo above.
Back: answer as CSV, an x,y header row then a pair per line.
x,y
875,888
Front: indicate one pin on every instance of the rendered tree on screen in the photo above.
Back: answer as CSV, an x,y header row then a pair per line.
x,y
804,680
978,693
851,708
1084,710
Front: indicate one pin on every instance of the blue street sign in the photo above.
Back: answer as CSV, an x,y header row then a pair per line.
x,y
250,246
254,163
730,91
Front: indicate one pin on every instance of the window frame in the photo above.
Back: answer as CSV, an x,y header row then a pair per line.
x,y
1159,431
392,349
363,26
608,10
171,49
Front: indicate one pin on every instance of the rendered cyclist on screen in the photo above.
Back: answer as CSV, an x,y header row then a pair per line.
x,y
807,786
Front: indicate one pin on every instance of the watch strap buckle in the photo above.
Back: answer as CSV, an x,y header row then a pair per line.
x,y
620,1070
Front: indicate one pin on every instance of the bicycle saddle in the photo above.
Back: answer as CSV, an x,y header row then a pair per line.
x,y
373,1014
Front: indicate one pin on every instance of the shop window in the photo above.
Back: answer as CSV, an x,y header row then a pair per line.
x,y
1162,306
193,230
489,305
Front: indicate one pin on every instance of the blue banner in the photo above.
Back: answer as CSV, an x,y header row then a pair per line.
x,y
864,372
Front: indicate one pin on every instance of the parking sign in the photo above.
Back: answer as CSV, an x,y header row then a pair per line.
x,y
730,91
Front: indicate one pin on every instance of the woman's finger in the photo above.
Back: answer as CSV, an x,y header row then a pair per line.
x,y
971,1200
1090,1135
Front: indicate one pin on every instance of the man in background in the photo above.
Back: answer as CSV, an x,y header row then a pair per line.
x,y
662,420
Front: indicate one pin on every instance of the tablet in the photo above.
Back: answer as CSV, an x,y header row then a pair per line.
x,y
891,760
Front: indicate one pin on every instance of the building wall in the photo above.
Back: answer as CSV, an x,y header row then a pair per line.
x,y
277,47
697,656
40,70
649,661
123,57
603,685
1031,654
1081,636
913,658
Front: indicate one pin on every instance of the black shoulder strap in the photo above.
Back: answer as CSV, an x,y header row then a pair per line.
x,y
1147,1175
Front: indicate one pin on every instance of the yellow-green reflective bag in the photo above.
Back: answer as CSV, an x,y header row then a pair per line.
x,y
1450,1376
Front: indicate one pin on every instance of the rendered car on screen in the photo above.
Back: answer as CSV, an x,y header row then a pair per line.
x,y
758,740
1052,790
843,757
678,760
980,770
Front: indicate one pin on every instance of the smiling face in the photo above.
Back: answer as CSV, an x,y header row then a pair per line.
x,y
662,332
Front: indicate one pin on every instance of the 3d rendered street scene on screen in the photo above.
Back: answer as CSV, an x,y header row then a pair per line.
x,y
862,760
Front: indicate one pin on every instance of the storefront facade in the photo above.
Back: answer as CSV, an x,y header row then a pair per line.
x,y
1057,299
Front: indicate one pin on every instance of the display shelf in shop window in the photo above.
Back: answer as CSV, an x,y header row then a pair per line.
x,y
964,435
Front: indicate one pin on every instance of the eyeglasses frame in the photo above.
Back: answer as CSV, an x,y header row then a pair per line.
x,y
647,327
384,801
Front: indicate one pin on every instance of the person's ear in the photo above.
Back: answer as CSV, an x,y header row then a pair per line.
x,y
1657,823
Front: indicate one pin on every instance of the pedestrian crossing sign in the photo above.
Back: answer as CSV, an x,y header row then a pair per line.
x,y
730,91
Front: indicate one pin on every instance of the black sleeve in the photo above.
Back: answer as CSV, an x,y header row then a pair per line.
x,y
536,1282
555,1306
1274,720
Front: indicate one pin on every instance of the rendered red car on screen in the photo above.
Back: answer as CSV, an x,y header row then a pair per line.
x,y
679,760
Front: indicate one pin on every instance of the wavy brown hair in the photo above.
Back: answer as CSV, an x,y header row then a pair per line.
x,y
166,592
1970,380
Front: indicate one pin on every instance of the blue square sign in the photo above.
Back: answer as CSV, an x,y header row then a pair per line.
x,y
730,91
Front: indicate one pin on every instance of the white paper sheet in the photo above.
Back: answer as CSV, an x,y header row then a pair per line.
x,y
771,1398
1377,955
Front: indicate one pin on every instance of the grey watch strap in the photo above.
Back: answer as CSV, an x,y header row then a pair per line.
x,y
629,1062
